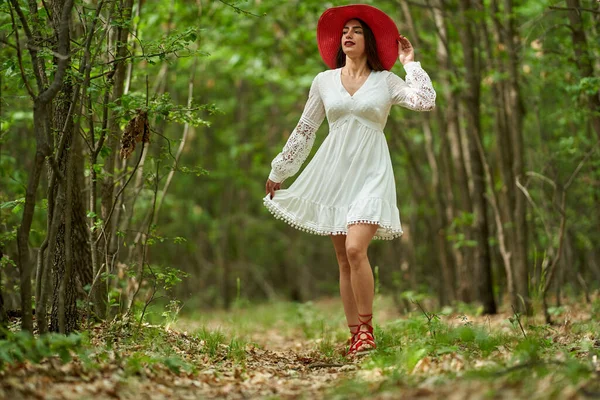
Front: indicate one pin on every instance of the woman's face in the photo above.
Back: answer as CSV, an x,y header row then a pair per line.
x,y
353,39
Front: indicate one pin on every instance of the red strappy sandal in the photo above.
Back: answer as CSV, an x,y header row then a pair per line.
x,y
352,339
363,341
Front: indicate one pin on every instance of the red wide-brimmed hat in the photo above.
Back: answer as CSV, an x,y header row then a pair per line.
x,y
331,25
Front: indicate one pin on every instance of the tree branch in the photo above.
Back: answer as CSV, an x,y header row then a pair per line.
x,y
7,43
534,205
19,55
581,163
239,10
421,5
38,67
186,130
562,229
63,60
578,9
22,18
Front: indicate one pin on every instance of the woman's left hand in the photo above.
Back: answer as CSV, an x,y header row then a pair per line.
x,y
406,53
271,187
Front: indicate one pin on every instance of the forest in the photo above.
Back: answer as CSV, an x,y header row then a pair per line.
x,y
137,257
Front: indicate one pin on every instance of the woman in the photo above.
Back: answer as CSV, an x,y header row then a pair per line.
x,y
347,191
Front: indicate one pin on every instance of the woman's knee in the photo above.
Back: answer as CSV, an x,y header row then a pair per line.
x,y
355,254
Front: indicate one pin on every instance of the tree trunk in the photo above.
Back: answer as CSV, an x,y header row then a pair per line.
x,y
39,119
458,187
584,59
433,225
58,258
482,271
223,261
71,229
442,197
514,206
516,115
71,320
3,316
41,128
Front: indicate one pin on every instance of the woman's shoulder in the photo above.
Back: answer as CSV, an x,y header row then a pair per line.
x,y
324,78
327,73
388,76
383,73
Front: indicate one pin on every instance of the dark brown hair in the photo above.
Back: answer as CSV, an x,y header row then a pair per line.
x,y
373,61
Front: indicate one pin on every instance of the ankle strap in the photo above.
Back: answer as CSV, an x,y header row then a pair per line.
x,y
360,316
366,322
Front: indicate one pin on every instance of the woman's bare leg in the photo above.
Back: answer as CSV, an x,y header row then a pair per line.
x,y
363,286
339,242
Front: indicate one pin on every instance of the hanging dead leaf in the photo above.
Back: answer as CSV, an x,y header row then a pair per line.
x,y
137,130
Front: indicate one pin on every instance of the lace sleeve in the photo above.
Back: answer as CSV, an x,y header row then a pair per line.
x,y
296,150
416,93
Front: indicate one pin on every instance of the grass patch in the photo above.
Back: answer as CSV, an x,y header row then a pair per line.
x,y
123,346
444,353
21,346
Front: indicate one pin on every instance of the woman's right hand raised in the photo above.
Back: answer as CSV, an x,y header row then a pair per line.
x,y
271,187
406,52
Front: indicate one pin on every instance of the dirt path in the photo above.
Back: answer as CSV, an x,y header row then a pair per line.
x,y
267,374
277,363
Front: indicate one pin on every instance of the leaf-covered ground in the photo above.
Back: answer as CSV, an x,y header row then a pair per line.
x,y
288,351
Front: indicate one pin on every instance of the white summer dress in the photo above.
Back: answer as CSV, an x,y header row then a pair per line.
x,y
350,179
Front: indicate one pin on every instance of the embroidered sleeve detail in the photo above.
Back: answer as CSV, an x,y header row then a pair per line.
x,y
416,93
296,150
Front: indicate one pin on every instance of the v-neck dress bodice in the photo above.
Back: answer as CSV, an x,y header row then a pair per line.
x,y
350,179
339,70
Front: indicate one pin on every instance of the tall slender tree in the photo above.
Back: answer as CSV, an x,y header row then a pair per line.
x,y
481,268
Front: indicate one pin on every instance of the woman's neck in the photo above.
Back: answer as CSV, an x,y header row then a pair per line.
x,y
356,67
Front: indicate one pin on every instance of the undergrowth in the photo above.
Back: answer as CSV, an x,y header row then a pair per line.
x,y
438,353
431,353
134,350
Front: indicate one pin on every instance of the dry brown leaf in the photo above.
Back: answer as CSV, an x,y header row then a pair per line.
x,y
137,130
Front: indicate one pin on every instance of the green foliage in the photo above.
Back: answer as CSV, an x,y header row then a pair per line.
x,y
8,236
214,344
212,340
138,362
311,321
155,347
22,346
15,206
409,354
457,229
413,296
163,108
167,277
250,77
171,312
326,347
